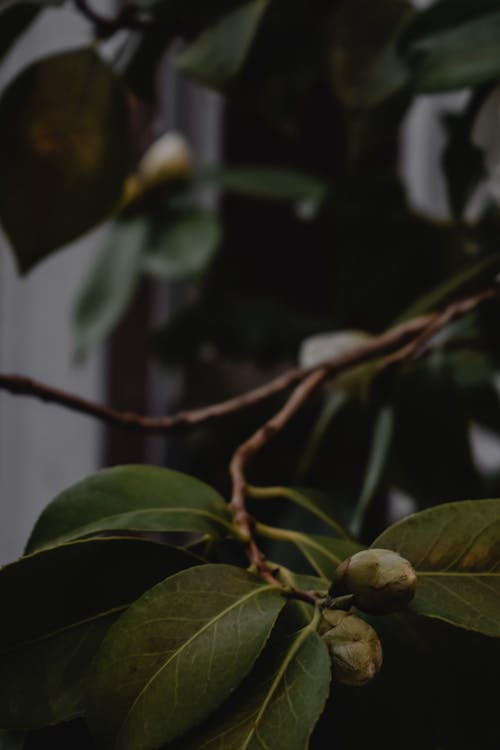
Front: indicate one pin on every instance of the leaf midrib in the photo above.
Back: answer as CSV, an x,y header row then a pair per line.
x,y
303,635
91,527
187,643
66,628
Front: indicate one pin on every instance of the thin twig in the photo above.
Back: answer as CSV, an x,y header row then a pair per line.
x,y
402,335
418,346
248,450
387,342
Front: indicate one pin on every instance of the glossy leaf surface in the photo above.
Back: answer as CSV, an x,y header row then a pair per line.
x,y
178,653
60,602
455,549
139,498
278,704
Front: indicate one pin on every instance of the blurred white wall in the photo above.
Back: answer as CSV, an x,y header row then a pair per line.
x,y
43,448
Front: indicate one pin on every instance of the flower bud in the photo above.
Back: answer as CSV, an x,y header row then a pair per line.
x,y
167,158
354,646
380,580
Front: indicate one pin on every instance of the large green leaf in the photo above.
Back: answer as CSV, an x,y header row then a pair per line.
x,y
65,152
184,247
56,607
455,549
220,51
126,498
111,284
178,653
278,704
465,55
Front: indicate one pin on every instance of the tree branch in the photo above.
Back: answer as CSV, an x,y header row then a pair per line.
x,y
387,342
425,329
397,344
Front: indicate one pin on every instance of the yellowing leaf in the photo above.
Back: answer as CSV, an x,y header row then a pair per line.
x,y
65,152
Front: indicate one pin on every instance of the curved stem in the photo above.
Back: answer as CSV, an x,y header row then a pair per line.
x,y
289,493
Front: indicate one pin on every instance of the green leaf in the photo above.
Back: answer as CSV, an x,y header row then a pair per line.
x,y
323,553
278,705
268,182
111,285
57,604
379,453
184,247
218,54
312,500
366,68
455,549
483,269
132,498
65,152
465,55
446,14
178,653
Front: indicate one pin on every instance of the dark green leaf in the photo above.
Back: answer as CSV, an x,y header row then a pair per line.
x,y
138,498
65,152
366,68
312,500
464,55
57,604
379,453
323,553
267,182
178,653
278,704
446,14
12,740
333,405
218,54
301,611
111,284
184,247
483,269
455,549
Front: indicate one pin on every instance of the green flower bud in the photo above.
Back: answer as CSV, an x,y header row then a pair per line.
x,y
380,580
354,646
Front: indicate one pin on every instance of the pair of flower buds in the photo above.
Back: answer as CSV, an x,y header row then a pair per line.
x,y
380,582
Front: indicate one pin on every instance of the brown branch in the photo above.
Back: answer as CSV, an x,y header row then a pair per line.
x,y
20,385
402,335
425,329
418,346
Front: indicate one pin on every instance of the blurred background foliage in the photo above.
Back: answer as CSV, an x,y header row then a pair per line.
x,y
312,232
